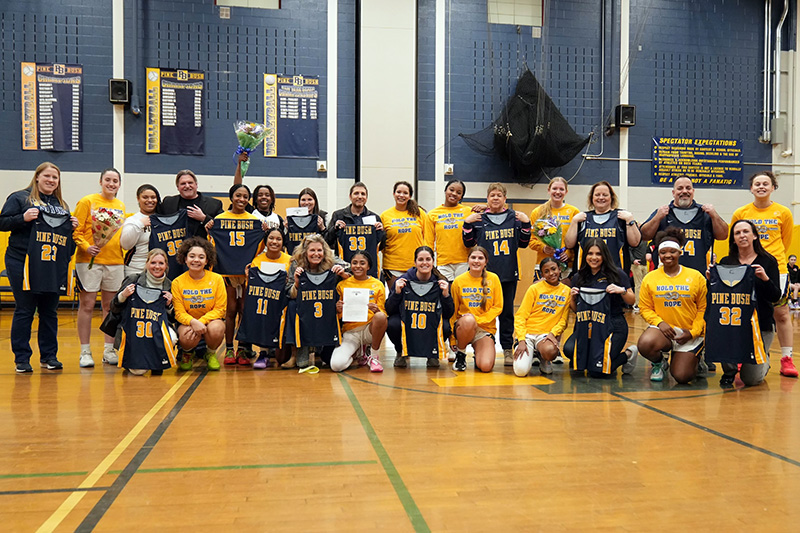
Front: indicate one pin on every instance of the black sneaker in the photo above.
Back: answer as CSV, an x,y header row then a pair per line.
x,y
433,362
24,368
726,381
461,362
52,364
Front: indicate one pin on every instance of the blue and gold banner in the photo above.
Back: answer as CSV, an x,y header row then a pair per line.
x,y
291,116
708,162
175,105
52,104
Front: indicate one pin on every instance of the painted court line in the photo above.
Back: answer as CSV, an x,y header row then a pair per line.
x,y
714,432
409,505
244,467
50,491
69,504
107,500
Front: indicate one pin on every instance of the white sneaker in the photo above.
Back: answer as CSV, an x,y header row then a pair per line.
x,y
86,360
110,356
558,360
546,367
630,364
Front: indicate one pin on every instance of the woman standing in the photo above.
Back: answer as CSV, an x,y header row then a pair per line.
x,y
502,232
263,197
106,273
446,221
794,281
745,249
555,207
308,198
152,351
774,223
604,220
134,235
477,301
407,227
19,216
200,302
361,337
312,283
672,301
600,278
541,319
272,259
425,332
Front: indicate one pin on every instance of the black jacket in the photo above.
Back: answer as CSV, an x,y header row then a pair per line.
x,y
767,292
210,206
11,219
332,232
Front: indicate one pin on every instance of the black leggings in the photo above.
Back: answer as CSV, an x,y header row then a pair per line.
x,y
506,329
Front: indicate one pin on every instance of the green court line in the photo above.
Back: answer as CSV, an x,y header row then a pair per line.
x,y
44,474
244,467
410,506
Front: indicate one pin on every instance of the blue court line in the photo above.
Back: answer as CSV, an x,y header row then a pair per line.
x,y
711,431
100,508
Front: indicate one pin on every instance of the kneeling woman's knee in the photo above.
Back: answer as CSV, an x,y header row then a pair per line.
x,y
683,376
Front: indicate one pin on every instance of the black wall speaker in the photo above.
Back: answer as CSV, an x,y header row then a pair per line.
x,y
625,116
119,91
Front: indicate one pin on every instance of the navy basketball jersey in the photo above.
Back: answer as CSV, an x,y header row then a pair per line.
x,y
264,315
168,232
592,332
699,240
146,339
316,321
50,249
605,227
732,331
237,241
421,319
299,228
499,237
359,238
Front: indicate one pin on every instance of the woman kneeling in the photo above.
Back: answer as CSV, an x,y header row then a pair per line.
x,y
673,301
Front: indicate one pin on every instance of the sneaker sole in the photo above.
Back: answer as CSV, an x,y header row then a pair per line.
x,y
49,367
24,371
107,362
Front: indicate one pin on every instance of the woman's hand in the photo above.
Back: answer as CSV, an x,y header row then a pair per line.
x,y
168,297
667,330
373,307
522,217
320,223
399,284
93,250
563,257
74,221
297,272
209,224
126,292
338,270
198,327
522,349
548,250
551,338
683,337
146,221
761,273
445,287
580,217
339,306
574,291
615,289
627,216
243,157
30,214
473,218
479,208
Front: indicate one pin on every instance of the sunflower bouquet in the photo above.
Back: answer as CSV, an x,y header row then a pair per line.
x,y
249,135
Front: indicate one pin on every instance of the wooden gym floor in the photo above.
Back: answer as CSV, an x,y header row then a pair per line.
x,y
406,450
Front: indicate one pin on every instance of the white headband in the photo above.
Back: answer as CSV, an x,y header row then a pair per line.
x,y
668,244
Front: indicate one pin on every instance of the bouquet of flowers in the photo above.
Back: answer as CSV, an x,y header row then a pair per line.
x,y
250,135
548,231
105,223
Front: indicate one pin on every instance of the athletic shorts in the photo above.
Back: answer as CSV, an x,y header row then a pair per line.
x,y
452,270
784,282
479,333
694,345
360,335
99,277
532,342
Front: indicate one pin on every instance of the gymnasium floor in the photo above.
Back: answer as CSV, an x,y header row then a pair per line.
x,y
406,450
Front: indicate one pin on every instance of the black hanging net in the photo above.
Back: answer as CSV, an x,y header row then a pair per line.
x,y
531,133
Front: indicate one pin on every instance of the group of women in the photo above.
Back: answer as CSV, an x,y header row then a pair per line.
x,y
450,274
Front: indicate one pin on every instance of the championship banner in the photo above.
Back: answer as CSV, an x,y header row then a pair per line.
x,y
290,115
52,100
708,162
175,112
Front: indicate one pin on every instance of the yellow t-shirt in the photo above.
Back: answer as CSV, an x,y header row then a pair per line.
x,y
774,225
110,253
203,299
404,234
544,309
467,294
564,216
377,296
285,260
680,301
446,238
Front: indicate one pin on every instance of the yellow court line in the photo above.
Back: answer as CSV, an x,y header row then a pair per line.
x,y
69,504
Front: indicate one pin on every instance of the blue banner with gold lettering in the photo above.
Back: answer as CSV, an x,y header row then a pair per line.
x,y
291,116
175,105
708,162
52,103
